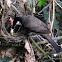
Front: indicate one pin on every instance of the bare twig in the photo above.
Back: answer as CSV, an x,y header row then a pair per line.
x,y
14,2
49,13
51,58
2,4
53,16
44,8
15,9
45,41
58,4
57,38
55,59
37,46
2,33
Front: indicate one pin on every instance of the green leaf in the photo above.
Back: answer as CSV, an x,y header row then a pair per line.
x,y
42,2
55,25
39,0
55,22
45,14
57,15
11,8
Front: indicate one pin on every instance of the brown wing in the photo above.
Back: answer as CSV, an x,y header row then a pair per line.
x,y
35,25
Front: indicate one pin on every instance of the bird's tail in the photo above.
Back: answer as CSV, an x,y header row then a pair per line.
x,y
51,41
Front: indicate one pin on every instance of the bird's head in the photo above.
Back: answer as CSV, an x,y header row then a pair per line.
x,y
17,21
14,22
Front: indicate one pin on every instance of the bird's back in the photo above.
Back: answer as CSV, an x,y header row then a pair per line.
x,y
34,24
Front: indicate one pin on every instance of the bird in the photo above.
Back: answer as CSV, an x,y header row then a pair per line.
x,y
33,24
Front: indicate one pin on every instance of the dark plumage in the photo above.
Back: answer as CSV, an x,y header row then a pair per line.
x,y
33,24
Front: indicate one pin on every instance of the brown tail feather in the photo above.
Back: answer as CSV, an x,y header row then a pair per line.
x,y
51,41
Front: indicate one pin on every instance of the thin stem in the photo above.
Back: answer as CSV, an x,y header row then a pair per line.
x,y
58,4
53,15
37,46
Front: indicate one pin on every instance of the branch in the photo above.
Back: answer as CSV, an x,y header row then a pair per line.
x,y
16,9
55,59
58,4
57,38
45,54
45,41
44,8
9,4
53,16
49,13
37,46
2,4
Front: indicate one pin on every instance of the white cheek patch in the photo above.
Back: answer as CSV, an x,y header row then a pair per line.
x,y
18,23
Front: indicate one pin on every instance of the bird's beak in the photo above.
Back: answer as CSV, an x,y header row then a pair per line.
x,y
11,21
